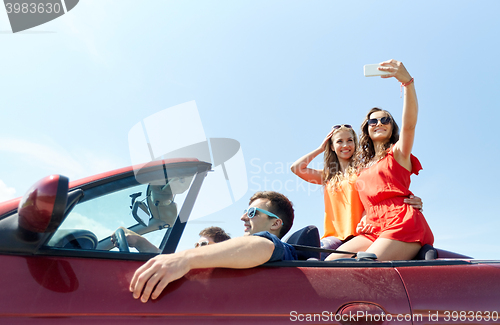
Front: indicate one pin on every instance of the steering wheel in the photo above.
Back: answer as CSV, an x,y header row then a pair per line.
x,y
122,241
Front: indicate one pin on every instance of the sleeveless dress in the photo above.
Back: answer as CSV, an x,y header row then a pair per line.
x,y
343,208
382,189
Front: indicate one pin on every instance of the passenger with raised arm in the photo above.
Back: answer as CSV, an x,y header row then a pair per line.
x,y
343,209
386,163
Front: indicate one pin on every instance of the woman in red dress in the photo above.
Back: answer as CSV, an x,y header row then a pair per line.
x,y
385,164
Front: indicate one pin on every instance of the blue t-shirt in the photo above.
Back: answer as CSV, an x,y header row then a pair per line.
x,y
282,251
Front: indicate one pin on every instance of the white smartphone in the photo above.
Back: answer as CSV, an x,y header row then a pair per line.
x,y
372,71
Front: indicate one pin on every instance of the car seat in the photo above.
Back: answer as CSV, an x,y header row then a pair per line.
x,y
307,236
426,252
161,203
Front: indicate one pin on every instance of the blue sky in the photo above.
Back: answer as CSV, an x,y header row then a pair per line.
x,y
274,75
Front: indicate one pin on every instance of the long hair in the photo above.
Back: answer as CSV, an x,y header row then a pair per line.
x,y
366,150
331,164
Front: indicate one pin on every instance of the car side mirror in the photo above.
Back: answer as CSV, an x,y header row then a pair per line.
x,y
41,210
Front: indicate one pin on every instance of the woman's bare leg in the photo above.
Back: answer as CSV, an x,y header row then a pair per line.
x,y
392,250
357,244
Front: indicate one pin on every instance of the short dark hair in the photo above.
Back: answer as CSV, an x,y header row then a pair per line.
x,y
280,205
216,233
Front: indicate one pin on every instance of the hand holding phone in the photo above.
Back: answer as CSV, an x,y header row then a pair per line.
x,y
371,70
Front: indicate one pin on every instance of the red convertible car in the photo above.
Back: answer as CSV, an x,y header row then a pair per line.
x,y
58,265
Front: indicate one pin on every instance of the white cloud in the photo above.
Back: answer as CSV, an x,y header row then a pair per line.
x,y
76,164
93,163
78,221
6,193
42,154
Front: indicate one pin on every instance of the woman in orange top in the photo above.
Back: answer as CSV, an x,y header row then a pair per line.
x,y
343,209
386,163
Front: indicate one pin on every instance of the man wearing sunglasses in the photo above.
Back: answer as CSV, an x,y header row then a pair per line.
x,y
267,219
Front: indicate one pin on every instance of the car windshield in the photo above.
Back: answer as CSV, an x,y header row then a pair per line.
x,y
149,207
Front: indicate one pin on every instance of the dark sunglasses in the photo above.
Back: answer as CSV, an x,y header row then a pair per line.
x,y
384,120
338,126
199,244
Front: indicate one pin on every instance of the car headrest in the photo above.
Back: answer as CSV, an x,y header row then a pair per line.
x,y
307,236
426,252
161,203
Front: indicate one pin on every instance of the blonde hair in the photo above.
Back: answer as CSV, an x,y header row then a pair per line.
x,y
332,174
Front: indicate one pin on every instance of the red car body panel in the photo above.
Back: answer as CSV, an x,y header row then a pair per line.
x,y
52,287
50,284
